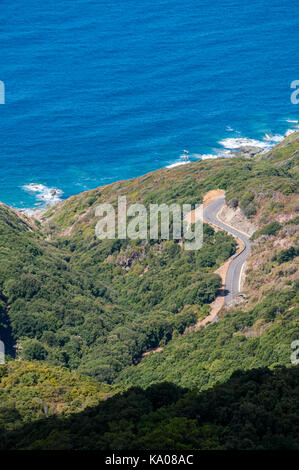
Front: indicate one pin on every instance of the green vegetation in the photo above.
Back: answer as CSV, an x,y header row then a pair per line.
x,y
30,391
203,358
76,306
100,313
287,255
97,306
253,410
270,229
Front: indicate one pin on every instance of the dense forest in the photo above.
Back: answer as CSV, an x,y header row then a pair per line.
x,y
70,316
78,314
257,409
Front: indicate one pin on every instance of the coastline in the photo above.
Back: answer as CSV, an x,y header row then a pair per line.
x,y
233,147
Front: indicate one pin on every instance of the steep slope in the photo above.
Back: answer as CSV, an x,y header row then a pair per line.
x,y
266,190
254,410
259,331
80,302
30,391
70,299
101,310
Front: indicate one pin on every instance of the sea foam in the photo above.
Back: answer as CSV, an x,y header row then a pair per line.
x,y
173,165
269,140
44,194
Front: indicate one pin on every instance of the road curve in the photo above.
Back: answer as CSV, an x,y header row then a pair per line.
x,y
233,275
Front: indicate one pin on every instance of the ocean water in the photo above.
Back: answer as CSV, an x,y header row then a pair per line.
x,y
97,91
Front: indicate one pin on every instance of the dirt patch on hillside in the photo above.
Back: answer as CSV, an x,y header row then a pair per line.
x,y
212,196
208,198
257,330
152,351
236,219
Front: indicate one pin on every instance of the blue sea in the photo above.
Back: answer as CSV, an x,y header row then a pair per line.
x,y
98,91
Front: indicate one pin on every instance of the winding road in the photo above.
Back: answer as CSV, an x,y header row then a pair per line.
x,y
234,272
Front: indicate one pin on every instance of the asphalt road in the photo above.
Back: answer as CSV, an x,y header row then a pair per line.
x,y
232,281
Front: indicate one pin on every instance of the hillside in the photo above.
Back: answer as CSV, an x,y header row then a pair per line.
x,y
81,305
266,190
254,410
31,391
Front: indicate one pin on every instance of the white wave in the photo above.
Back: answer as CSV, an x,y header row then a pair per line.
x,y
176,164
32,212
235,143
208,156
43,193
226,154
291,121
218,154
269,140
290,131
273,138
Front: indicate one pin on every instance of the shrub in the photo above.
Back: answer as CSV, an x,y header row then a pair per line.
x,y
34,350
233,203
287,255
270,229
